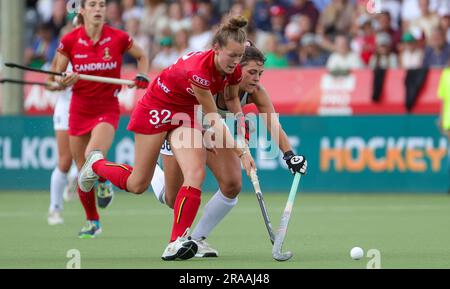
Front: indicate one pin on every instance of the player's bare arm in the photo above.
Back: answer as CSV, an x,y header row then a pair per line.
x,y
52,79
265,107
61,66
141,80
231,98
205,98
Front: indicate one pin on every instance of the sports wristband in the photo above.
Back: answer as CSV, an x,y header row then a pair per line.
x,y
287,155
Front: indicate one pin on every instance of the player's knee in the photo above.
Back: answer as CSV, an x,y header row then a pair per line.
x,y
231,188
195,176
139,187
64,164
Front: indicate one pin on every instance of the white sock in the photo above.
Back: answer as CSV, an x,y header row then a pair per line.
x,y
58,182
215,210
158,184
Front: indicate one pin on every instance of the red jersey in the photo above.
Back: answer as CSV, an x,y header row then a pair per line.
x,y
103,58
173,86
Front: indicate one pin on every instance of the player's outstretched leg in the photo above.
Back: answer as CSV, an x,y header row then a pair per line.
x,y
86,176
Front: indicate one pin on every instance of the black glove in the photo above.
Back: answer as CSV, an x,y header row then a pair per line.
x,y
296,164
141,81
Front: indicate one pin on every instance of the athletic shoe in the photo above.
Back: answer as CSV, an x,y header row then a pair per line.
x,y
183,248
91,230
86,176
55,218
69,192
205,250
105,194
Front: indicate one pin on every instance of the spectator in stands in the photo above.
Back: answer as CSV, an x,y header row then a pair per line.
x,y
237,9
31,21
385,25
130,10
343,60
166,56
410,10
257,36
444,21
437,53
310,54
181,42
336,18
275,57
114,15
45,9
207,9
321,4
58,18
132,28
299,25
278,22
286,47
411,53
261,15
189,8
364,42
393,8
153,19
427,21
304,7
383,57
176,20
41,53
200,34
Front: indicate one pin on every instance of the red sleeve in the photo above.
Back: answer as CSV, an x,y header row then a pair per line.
x,y
66,45
236,77
199,79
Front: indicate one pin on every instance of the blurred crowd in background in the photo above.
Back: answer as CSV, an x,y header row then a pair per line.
x,y
337,34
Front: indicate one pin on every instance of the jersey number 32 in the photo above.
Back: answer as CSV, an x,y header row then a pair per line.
x,y
160,117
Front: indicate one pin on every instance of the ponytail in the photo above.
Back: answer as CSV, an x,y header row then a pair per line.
x,y
233,29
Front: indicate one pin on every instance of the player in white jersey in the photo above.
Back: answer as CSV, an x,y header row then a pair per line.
x,y
64,175
224,166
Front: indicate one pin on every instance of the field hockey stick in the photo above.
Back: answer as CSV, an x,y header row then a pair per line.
x,y
24,82
281,233
262,205
86,77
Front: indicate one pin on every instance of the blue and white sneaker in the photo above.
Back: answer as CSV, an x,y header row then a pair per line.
x,y
91,230
105,194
